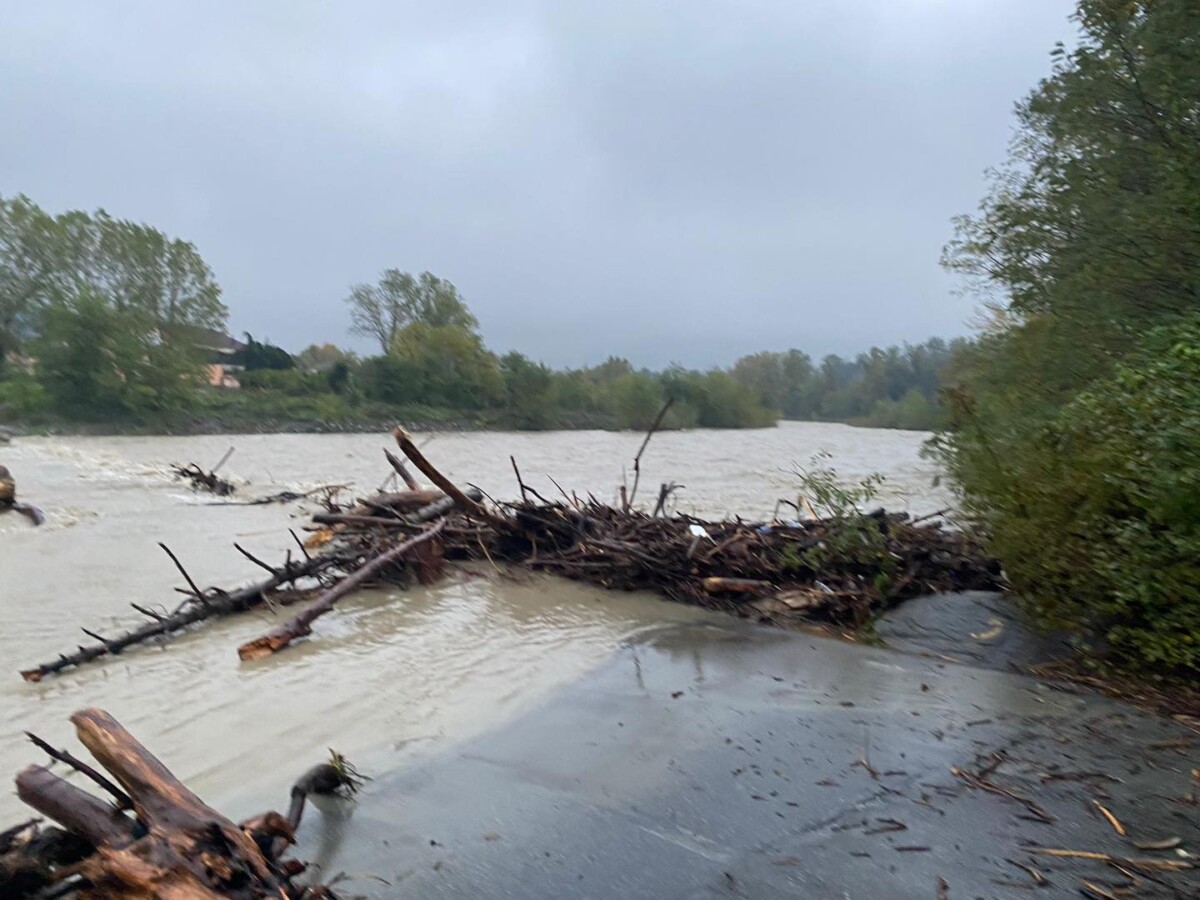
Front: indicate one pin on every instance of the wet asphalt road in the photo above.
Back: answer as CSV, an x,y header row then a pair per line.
x,y
722,761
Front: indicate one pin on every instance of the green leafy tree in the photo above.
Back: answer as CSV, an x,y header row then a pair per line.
x,y
529,392
634,399
28,270
96,361
398,300
131,267
1087,247
716,399
449,366
764,374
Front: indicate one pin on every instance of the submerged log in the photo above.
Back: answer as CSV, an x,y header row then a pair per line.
x,y
299,625
204,606
207,481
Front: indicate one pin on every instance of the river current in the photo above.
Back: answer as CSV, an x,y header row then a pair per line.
x,y
389,676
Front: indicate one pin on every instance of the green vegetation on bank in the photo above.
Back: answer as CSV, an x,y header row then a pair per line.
x,y
96,314
108,322
1074,426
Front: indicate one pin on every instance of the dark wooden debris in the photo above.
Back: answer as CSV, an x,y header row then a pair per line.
x,y
786,573
169,844
204,481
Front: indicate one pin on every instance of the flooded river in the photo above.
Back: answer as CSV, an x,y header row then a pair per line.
x,y
386,679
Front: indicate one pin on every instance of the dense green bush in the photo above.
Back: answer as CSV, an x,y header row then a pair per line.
x,y
1096,512
1072,423
95,361
714,399
21,394
292,382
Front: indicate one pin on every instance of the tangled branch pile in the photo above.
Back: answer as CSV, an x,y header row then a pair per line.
x,y
841,569
838,571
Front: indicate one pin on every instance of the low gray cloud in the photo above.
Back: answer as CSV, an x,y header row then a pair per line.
x,y
667,181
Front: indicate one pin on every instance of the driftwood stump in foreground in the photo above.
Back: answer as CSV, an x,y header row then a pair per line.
x,y
174,845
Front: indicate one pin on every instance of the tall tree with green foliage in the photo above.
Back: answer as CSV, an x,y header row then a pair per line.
x,y
1088,248
29,269
132,267
382,310
96,361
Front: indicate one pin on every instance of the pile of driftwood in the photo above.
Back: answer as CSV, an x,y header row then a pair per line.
x,y
773,572
153,838
839,571
206,481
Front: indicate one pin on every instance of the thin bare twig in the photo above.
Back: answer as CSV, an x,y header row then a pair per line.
x,y
65,756
182,571
637,460
254,559
224,459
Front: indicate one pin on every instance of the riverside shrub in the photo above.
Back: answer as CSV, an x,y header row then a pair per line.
x,y
1097,519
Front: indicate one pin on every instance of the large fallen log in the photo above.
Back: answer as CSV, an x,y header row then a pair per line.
x,y
300,625
398,466
403,501
417,458
174,846
438,504
31,855
94,820
202,606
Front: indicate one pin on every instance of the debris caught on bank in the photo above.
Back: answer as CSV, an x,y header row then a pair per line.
x,y
158,839
839,571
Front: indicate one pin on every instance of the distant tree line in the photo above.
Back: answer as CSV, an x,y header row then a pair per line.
x,y
104,318
432,352
896,387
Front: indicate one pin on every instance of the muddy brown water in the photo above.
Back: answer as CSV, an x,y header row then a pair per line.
x,y
388,678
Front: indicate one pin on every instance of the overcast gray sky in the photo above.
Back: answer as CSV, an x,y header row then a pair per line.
x,y
668,181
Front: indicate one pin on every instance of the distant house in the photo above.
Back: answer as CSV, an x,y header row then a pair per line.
x,y
18,361
221,376
219,352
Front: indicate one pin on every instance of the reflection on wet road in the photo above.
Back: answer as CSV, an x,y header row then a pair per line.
x,y
729,761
